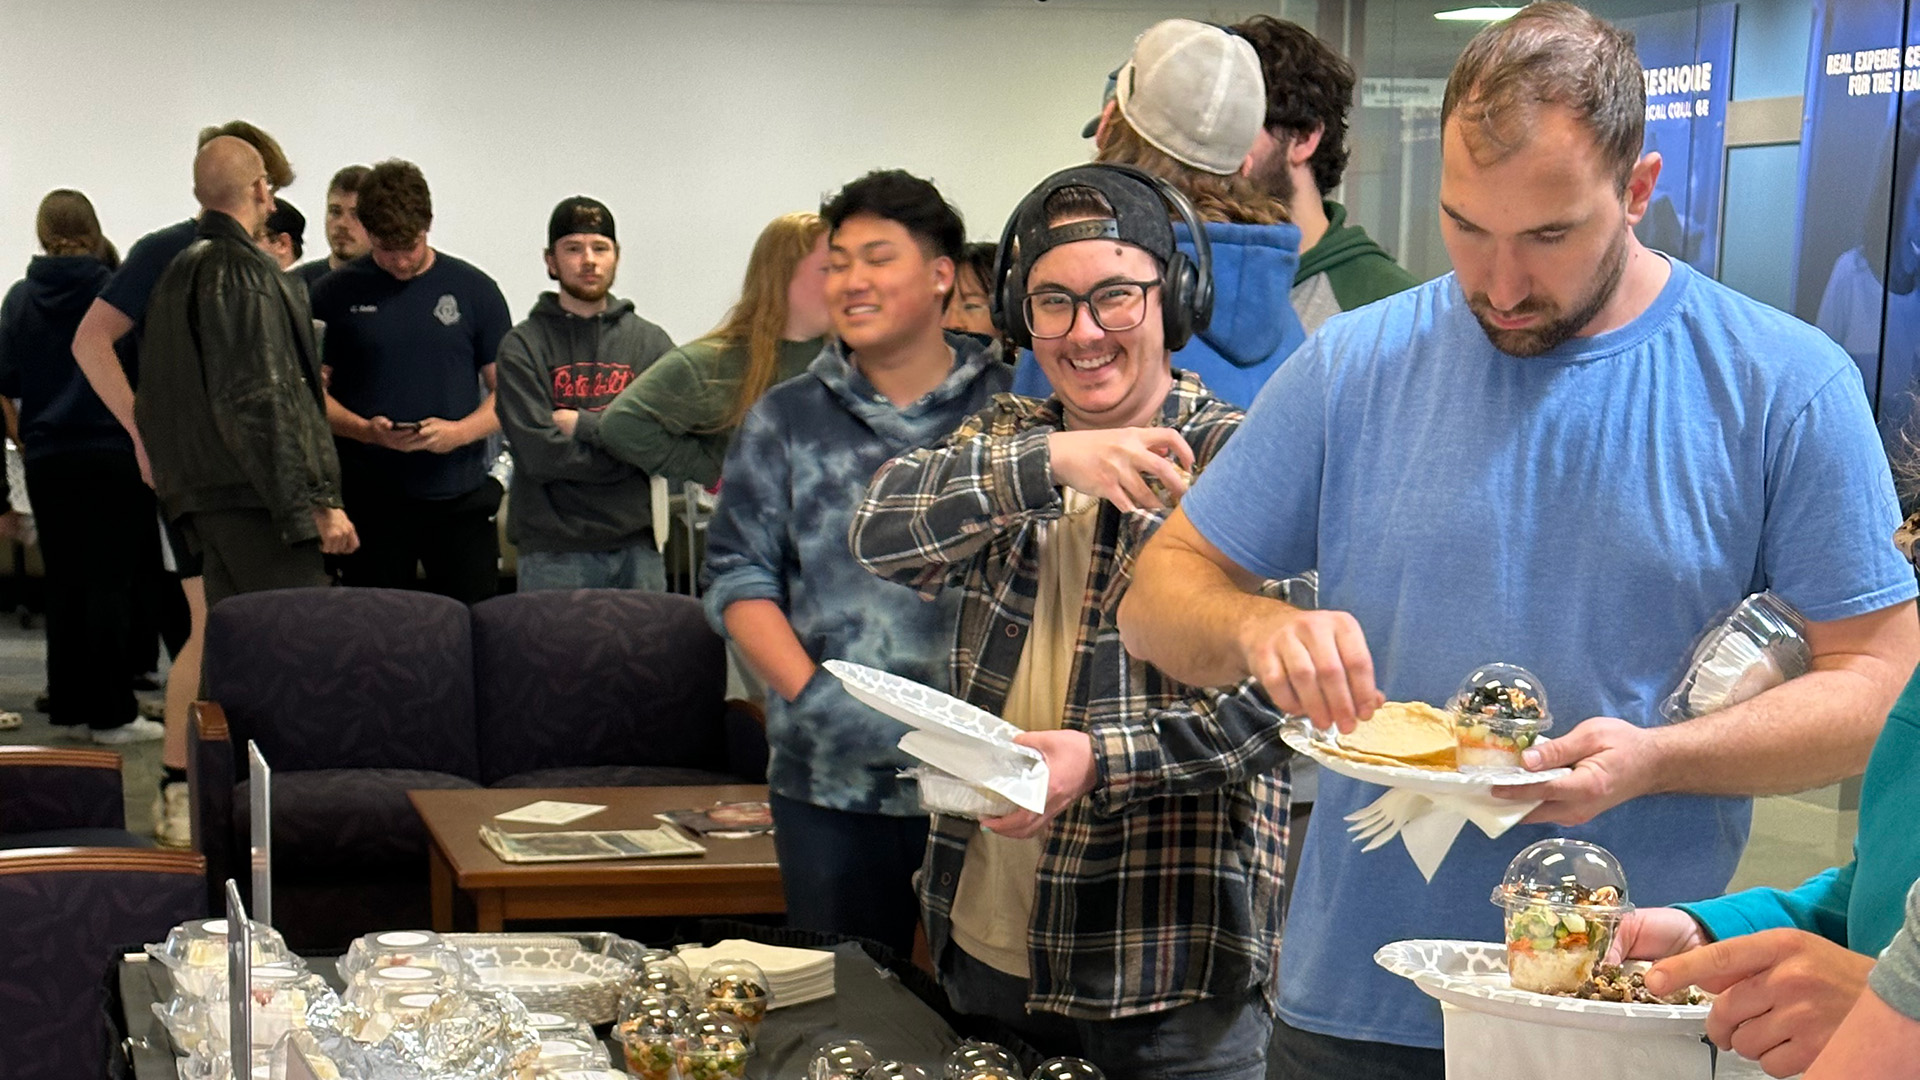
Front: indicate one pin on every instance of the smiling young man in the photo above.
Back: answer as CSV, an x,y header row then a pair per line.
x,y
1136,922
410,342
1572,454
579,517
787,592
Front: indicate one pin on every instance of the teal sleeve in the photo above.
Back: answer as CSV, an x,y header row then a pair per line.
x,y
1818,906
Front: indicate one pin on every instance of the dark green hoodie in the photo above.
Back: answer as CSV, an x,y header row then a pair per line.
x,y
1353,271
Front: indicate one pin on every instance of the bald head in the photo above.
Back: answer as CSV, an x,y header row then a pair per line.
x,y
230,176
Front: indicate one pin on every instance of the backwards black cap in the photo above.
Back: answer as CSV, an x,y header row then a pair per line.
x,y
580,215
1141,206
1139,216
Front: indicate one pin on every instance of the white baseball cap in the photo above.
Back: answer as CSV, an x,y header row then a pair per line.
x,y
1194,91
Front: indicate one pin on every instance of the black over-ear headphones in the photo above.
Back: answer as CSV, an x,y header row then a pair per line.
x,y
1186,286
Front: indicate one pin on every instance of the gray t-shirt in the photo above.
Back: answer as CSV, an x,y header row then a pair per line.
x,y
1896,978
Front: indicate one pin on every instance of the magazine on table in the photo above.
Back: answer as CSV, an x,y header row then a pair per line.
x,y
537,847
725,819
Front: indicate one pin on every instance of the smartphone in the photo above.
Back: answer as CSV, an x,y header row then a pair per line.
x,y
406,425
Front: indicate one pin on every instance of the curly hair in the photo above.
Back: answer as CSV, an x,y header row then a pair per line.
x,y
395,205
1551,53
1227,199
1309,88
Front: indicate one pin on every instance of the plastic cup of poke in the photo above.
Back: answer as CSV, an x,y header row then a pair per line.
x,y
1498,711
1564,901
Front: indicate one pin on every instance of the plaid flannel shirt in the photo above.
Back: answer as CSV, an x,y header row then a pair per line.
x,y
1164,885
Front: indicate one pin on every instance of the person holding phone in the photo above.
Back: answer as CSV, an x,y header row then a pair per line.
x,y
410,342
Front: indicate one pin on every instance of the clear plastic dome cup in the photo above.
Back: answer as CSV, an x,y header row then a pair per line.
x,y
1067,1068
974,1060
738,987
1564,900
845,1059
1498,711
712,1046
646,1032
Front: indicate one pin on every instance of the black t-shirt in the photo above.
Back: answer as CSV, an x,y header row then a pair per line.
x,y
312,272
132,285
408,350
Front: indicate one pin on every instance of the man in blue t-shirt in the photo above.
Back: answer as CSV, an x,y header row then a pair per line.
x,y
411,335
1571,454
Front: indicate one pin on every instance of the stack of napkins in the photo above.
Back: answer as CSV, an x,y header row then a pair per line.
x,y
796,975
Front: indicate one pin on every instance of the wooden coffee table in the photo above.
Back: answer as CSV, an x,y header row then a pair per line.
x,y
734,877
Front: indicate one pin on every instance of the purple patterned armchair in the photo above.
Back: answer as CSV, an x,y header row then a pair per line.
x,y
76,890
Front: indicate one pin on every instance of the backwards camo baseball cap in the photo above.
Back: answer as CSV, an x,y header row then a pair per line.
x,y
580,215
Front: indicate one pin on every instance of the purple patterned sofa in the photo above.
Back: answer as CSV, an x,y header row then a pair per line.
x,y
356,696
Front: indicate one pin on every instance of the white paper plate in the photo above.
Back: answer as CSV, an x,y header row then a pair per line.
x,y
951,735
1428,781
1473,975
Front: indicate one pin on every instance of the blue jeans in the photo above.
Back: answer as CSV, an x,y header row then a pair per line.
x,y
635,567
1306,1055
1216,1039
848,873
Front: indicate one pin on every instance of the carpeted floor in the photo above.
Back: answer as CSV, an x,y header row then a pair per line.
x,y
23,677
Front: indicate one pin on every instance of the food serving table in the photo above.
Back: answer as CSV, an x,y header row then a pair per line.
x,y
869,1003
734,877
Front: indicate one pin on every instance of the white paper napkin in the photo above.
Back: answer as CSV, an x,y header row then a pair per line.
x,y
1429,834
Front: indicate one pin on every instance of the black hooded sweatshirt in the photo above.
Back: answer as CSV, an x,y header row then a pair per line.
x,y
59,412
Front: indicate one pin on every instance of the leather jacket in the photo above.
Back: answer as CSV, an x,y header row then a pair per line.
x,y
230,404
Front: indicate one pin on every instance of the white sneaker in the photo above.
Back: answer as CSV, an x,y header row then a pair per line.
x,y
133,731
172,816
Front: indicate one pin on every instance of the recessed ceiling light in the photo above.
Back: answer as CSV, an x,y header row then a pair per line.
x,y
1476,14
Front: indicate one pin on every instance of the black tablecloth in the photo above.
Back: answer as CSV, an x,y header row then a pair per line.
x,y
870,1002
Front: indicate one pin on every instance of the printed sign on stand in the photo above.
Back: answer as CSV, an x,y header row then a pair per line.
x,y
260,845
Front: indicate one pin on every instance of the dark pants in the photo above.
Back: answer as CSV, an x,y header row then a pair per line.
x,y
97,537
1215,1039
848,873
1303,1055
453,542
241,552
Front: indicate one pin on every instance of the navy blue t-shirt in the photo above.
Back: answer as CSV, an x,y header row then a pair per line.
x,y
132,285
312,272
409,350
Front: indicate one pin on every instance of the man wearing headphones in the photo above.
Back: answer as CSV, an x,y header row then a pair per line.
x,y
1136,921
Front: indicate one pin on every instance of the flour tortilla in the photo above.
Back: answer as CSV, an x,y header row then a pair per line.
x,y
1401,733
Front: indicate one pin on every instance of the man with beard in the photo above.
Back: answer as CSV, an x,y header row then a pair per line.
x,y
580,518
346,239
411,338
1299,156
1572,454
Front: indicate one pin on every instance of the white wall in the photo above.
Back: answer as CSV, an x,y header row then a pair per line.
x,y
695,120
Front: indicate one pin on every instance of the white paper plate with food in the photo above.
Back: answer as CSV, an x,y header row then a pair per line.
x,y
1409,745
957,738
1473,975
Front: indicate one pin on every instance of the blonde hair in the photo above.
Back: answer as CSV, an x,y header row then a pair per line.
x,y
758,319
1231,199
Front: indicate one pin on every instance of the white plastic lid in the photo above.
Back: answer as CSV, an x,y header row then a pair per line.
x,y
406,974
403,939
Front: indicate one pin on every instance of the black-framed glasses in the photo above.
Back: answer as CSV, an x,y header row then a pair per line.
x,y
1115,306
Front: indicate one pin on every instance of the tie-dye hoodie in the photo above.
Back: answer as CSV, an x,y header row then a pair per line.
x,y
797,470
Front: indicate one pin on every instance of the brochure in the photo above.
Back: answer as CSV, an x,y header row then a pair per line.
x,y
539,847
